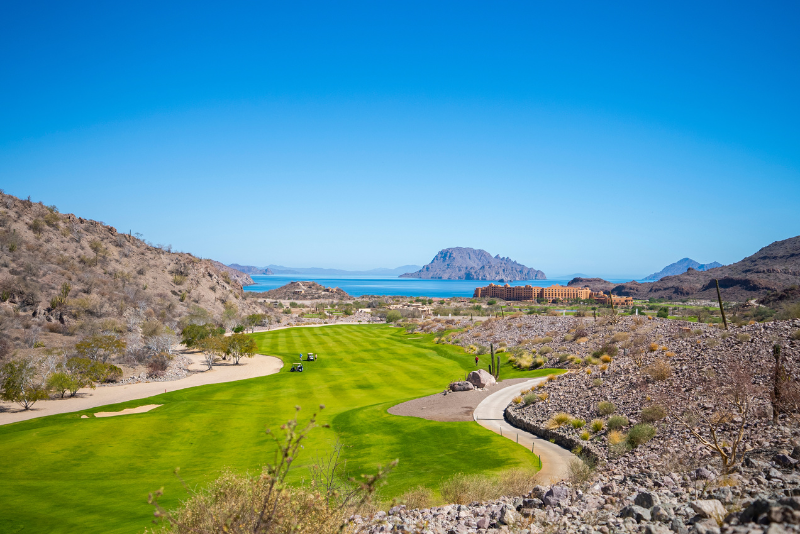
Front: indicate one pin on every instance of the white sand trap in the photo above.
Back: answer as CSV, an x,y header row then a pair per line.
x,y
126,411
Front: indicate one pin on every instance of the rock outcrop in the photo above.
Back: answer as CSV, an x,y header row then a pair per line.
x,y
249,269
305,291
681,266
460,263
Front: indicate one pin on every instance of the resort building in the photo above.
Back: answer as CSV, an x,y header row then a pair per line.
x,y
602,298
550,294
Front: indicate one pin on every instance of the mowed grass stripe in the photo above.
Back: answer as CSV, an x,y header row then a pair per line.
x,y
66,474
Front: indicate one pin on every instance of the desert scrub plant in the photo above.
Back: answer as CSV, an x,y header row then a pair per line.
x,y
596,425
591,360
669,354
568,337
597,382
464,489
530,398
620,337
615,422
578,423
588,370
639,434
743,337
543,396
659,370
579,472
545,350
605,358
178,279
517,400
653,413
603,367
416,498
558,420
606,408
617,443
796,335
585,435
516,482
582,340
652,347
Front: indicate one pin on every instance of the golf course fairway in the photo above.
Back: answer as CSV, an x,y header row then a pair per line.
x,y
66,474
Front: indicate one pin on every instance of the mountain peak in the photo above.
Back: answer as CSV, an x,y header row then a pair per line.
x,y
464,263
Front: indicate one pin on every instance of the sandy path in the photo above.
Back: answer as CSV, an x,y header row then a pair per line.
x,y
87,399
126,411
457,406
490,414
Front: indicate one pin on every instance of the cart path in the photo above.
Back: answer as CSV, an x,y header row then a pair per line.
x,y
490,414
258,365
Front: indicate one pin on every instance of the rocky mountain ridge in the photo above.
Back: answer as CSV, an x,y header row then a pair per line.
x,y
680,267
773,268
305,290
463,263
249,269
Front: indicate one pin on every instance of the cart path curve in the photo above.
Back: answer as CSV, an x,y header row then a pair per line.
x,y
490,414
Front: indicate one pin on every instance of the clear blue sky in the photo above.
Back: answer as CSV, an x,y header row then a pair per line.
x,y
605,138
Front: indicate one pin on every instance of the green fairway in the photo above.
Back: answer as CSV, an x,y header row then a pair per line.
x,y
66,474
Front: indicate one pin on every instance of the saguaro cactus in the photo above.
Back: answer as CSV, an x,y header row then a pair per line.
x,y
721,309
494,365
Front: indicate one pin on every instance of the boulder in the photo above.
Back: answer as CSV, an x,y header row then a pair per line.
x,y
709,509
655,528
508,516
705,526
646,499
481,378
784,460
556,495
461,386
635,512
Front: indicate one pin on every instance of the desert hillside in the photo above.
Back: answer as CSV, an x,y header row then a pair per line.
x,y
65,276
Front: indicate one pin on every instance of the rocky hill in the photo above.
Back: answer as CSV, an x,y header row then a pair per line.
x,y
61,274
681,266
305,291
249,269
460,263
774,268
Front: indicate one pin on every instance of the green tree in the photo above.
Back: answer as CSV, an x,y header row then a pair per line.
x,y
61,382
100,347
193,334
97,247
393,316
238,346
663,313
19,384
253,320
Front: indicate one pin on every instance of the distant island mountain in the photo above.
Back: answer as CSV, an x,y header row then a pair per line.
x,y
680,267
280,269
249,269
461,263
773,269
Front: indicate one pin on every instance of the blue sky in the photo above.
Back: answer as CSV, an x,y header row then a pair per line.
x,y
572,137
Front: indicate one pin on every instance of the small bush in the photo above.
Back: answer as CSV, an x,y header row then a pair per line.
x,y
597,382
743,337
577,423
517,400
568,337
615,422
653,413
659,370
605,358
615,437
653,347
603,367
393,316
620,336
464,489
558,420
579,472
585,435
639,434
419,497
596,425
796,335
606,408
516,482
545,350
582,340
530,398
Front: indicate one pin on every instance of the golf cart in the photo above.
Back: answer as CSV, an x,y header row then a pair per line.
x,y
296,367
311,357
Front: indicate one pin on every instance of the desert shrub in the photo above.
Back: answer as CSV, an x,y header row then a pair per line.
x,y
178,279
653,413
582,339
596,425
663,313
521,361
606,408
577,423
516,482
615,437
605,358
545,350
393,316
639,434
93,371
464,489
585,435
419,497
669,354
603,367
530,398
796,334
620,336
579,472
743,337
659,370
597,382
517,399
543,396
157,365
558,420
653,347
564,357
712,343
568,337
615,422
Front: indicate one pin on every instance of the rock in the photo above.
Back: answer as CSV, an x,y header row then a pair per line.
x,y
481,378
774,474
678,526
635,512
646,500
705,526
461,386
656,528
508,516
483,522
660,513
556,495
703,474
775,528
796,452
709,509
532,503
784,460
723,495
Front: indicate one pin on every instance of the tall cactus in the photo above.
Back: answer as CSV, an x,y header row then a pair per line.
x,y
494,366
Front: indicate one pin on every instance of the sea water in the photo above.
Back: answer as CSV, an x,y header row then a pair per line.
x,y
412,287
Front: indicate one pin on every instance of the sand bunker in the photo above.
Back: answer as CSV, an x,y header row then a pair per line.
x,y
126,411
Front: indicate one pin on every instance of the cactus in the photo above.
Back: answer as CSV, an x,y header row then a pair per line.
x,y
494,366
721,309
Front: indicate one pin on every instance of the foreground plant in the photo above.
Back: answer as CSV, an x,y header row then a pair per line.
x,y
241,504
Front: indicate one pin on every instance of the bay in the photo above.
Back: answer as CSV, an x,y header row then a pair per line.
x,y
411,287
